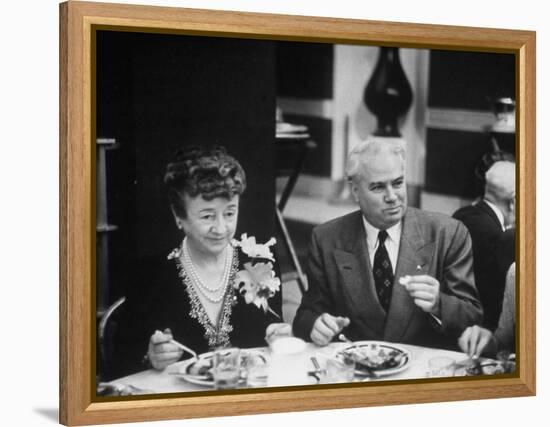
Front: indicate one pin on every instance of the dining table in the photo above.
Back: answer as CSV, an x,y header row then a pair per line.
x,y
292,369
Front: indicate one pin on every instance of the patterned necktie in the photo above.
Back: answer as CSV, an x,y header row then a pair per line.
x,y
382,270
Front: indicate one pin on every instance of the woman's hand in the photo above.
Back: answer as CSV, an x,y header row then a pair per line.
x,y
326,327
475,340
277,330
161,351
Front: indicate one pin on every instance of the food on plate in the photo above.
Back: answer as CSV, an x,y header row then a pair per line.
x,y
490,368
493,368
374,357
473,367
201,367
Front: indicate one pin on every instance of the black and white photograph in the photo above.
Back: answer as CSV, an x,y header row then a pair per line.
x,y
278,213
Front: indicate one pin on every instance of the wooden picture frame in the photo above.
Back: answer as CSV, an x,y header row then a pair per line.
x,y
77,209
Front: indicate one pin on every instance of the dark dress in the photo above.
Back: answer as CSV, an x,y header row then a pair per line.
x,y
160,296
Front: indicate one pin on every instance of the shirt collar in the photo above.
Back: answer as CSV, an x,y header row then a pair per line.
x,y
394,232
497,212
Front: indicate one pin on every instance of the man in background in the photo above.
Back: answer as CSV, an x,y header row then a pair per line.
x,y
487,221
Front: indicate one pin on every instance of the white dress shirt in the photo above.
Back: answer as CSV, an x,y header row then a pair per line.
x,y
392,241
497,212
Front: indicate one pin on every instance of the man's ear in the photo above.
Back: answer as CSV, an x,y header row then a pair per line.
x,y
354,190
512,206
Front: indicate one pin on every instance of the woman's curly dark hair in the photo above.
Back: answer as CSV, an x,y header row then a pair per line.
x,y
209,172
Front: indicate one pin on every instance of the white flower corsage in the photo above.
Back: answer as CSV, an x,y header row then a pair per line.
x,y
257,282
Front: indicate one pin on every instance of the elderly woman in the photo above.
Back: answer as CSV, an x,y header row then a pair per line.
x,y
192,295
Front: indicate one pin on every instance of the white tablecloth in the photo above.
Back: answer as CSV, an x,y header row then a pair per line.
x,y
293,372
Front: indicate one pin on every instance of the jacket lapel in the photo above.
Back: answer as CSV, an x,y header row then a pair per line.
x,y
491,213
413,258
356,272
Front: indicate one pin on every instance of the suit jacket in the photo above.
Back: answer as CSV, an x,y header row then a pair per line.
x,y
340,281
486,232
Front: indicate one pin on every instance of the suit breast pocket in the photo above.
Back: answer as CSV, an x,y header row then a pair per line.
x,y
426,261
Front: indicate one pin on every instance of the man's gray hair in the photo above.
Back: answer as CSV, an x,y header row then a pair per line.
x,y
500,181
370,148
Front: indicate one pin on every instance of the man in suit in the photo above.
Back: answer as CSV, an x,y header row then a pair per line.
x,y
487,220
388,272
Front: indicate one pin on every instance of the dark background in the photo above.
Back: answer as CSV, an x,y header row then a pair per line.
x,y
468,81
156,93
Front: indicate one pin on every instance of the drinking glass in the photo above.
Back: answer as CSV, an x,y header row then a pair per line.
x,y
441,366
227,368
256,370
339,370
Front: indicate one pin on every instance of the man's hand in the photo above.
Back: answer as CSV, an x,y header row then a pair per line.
x,y
475,339
424,290
326,327
161,351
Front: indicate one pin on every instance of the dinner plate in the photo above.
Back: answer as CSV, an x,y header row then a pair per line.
x,y
185,366
382,358
205,359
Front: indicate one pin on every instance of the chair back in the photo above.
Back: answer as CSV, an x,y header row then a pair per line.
x,y
105,336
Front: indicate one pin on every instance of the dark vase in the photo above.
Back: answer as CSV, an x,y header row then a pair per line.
x,y
388,94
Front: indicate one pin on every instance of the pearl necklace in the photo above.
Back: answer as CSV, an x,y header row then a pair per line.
x,y
218,291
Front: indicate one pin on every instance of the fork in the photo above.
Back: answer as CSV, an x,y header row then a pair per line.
x,y
343,338
184,348
318,372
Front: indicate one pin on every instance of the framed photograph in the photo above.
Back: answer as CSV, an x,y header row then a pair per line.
x,y
202,154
